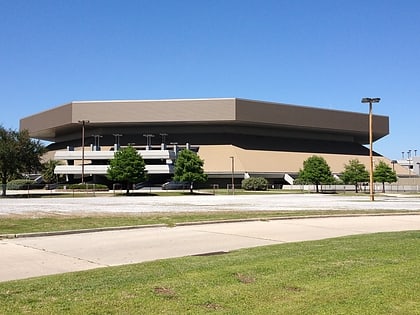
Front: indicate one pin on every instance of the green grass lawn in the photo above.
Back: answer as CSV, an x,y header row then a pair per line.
x,y
365,274
28,223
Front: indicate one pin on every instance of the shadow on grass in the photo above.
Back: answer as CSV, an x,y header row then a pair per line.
x,y
31,195
136,194
204,193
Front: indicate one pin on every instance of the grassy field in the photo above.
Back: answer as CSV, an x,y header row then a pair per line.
x,y
32,223
365,274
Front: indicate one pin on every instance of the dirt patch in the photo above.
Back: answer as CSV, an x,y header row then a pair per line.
x,y
292,288
212,306
244,278
163,291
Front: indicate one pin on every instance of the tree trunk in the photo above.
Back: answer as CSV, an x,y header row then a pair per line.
x,y
3,187
356,186
191,188
383,187
128,189
317,188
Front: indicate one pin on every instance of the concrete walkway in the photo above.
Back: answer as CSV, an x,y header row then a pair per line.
x,y
37,256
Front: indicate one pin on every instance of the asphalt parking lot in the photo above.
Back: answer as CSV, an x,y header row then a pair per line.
x,y
187,203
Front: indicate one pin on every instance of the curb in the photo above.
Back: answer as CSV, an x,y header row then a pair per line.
x,y
82,231
133,227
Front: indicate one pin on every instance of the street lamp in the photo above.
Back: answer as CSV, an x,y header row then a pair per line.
x,y
393,162
233,173
370,101
409,163
83,122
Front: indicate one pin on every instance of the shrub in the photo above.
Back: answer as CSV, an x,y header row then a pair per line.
x,y
88,186
255,183
21,184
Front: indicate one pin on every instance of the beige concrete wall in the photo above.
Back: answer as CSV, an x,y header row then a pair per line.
x,y
217,160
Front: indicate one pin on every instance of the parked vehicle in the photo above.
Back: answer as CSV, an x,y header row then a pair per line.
x,y
173,185
140,185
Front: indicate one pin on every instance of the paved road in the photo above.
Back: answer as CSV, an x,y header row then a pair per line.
x,y
36,256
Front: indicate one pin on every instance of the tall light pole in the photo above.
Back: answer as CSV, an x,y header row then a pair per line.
x,y
409,163
83,122
233,173
370,101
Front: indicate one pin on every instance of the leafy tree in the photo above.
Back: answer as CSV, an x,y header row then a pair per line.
x,y
127,166
48,171
355,173
189,168
18,154
315,171
383,173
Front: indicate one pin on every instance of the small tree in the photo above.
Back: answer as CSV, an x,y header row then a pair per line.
x,y
189,168
315,171
383,173
48,174
355,173
127,166
18,154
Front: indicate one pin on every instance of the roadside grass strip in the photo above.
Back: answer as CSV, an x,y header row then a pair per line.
x,y
363,274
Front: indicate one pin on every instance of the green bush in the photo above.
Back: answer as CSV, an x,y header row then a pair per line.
x,y
21,184
88,186
254,183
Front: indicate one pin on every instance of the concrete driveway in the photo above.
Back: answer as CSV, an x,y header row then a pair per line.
x,y
37,256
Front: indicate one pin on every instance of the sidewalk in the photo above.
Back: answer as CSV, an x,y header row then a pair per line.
x,y
38,256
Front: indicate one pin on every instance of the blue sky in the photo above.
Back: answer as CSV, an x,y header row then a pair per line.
x,y
324,53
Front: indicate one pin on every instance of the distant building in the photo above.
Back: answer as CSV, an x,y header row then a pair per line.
x,y
256,138
412,165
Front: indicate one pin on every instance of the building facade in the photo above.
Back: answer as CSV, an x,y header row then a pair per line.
x,y
235,137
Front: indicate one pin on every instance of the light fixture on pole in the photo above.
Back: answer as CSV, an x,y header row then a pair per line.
x,y
409,163
163,144
149,137
96,144
233,173
393,162
117,137
370,101
163,136
83,122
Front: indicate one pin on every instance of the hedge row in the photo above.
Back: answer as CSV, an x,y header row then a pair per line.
x,y
23,184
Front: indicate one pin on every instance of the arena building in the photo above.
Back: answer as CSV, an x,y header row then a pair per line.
x,y
233,136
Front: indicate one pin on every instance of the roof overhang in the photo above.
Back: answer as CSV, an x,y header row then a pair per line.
x,y
63,122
